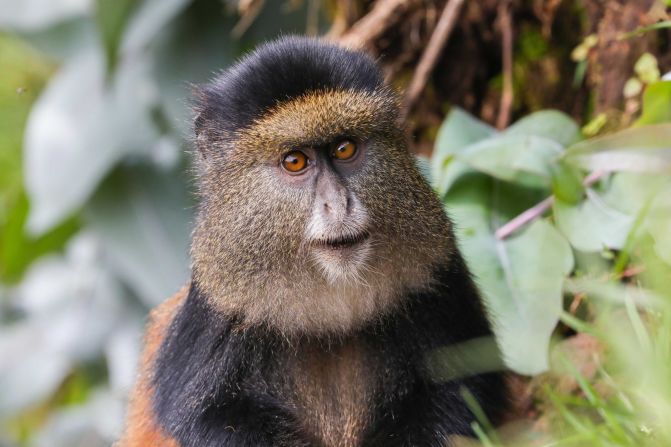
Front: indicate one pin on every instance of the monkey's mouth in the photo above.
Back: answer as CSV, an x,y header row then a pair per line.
x,y
343,242
342,256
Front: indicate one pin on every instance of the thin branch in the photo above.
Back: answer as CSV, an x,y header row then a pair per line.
x,y
312,24
539,209
430,56
383,16
249,11
507,95
529,215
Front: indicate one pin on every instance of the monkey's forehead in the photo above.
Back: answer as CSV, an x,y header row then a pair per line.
x,y
281,71
319,118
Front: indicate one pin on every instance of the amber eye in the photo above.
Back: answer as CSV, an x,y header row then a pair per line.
x,y
295,161
345,150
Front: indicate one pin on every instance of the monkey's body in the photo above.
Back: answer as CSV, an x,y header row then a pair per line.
x,y
217,384
275,347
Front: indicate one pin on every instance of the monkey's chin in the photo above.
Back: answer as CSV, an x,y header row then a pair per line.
x,y
343,264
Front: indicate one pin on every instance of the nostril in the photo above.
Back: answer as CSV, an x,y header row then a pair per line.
x,y
326,207
348,205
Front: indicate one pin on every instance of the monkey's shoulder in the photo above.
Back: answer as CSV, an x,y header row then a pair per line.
x,y
142,428
203,371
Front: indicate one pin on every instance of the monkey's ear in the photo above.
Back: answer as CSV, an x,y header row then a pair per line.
x,y
209,121
198,107
201,122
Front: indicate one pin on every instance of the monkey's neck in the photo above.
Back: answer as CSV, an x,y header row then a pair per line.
x,y
300,304
210,362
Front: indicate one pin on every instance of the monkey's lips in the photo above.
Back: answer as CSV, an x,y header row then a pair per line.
x,y
342,256
343,242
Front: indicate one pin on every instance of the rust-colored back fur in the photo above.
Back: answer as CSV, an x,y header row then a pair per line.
x,y
141,428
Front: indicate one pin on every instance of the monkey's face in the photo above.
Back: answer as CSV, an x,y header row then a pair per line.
x,y
316,216
337,233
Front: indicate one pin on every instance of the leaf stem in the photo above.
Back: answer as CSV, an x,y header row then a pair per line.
x,y
539,209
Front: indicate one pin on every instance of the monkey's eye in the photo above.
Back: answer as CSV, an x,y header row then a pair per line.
x,y
295,161
344,150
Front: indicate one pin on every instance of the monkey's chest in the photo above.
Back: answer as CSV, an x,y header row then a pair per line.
x,y
332,394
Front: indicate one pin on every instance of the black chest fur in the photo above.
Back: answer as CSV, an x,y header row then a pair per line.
x,y
216,383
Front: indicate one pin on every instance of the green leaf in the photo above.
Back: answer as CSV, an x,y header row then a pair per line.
x,y
630,191
30,15
656,104
457,132
35,372
524,153
111,17
639,149
644,29
659,223
595,125
79,129
550,124
148,21
200,39
647,198
614,292
535,264
647,69
520,278
519,158
592,225
18,250
567,183
24,73
143,219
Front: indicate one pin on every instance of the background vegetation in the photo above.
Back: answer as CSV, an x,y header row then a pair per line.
x,y
564,216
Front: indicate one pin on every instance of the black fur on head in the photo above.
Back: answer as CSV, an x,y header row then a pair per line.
x,y
279,71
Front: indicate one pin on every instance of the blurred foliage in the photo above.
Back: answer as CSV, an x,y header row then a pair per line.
x,y
95,201
96,206
602,243
24,72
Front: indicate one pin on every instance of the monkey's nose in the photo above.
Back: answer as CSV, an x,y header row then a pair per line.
x,y
341,207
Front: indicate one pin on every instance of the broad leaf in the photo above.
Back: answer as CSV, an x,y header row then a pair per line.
x,y
567,183
527,151
535,264
78,130
520,278
457,132
659,224
150,19
201,50
614,292
647,198
143,220
593,224
35,373
550,124
656,104
95,423
28,15
638,149
111,17
518,158
61,164
524,153
71,306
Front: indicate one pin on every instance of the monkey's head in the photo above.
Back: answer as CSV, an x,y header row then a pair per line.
x,y
314,217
